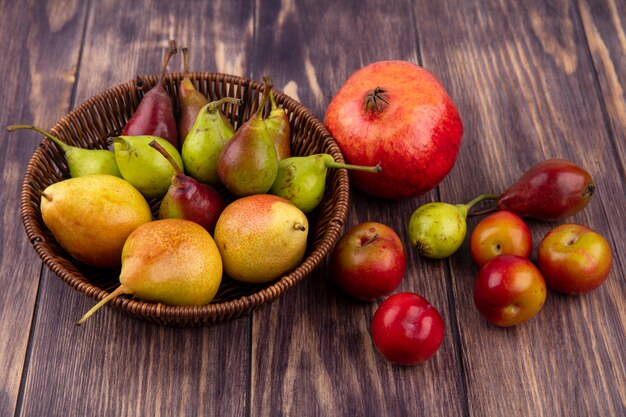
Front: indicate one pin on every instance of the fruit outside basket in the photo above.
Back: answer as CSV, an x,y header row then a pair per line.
x,y
104,115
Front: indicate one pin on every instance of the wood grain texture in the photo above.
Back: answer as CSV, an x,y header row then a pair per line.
x,y
312,352
532,80
218,35
604,25
40,55
526,90
115,365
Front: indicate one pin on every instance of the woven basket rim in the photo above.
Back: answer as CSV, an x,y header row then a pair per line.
x,y
213,312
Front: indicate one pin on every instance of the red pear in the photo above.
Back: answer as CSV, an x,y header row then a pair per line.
x,y
551,190
189,199
155,114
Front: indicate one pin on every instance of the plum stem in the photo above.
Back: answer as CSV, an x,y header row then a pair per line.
x,y
370,240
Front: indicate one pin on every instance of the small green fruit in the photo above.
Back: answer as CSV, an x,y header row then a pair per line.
x,y
437,230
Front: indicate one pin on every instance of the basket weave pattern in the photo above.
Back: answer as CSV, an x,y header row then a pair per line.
x,y
103,116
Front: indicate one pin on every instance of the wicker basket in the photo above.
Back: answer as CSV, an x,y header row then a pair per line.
x,y
103,116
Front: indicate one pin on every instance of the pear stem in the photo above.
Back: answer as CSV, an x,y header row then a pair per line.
x,y
168,56
185,62
118,291
46,196
64,146
166,154
268,81
213,106
266,93
300,227
480,198
334,164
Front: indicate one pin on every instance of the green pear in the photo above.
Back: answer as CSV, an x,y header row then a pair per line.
x,y
80,161
190,101
437,230
277,123
302,179
248,163
171,261
205,141
143,166
91,216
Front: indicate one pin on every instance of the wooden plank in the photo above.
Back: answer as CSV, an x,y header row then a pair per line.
x,y
312,351
118,366
604,23
522,78
40,52
115,365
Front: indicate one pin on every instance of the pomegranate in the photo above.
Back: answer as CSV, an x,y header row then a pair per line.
x,y
397,114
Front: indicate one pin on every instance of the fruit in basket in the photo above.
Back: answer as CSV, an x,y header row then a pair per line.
x,y
171,261
190,101
155,114
248,163
80,161
551,190
143,166
302,179
501,233
438,229
407,329
574,259
202,148
277,123
261,237
509,290
399,115
368,261
91,217
189,199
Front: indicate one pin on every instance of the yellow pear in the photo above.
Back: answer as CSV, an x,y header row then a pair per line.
x,y
261,237
170,261
91,216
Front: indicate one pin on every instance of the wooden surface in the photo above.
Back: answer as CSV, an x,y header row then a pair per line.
x,y
532,80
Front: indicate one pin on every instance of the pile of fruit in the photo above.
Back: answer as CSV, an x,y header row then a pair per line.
x,y
400,133
184,199
418,150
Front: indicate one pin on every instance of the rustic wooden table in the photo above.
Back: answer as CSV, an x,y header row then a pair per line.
x,y
532,80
